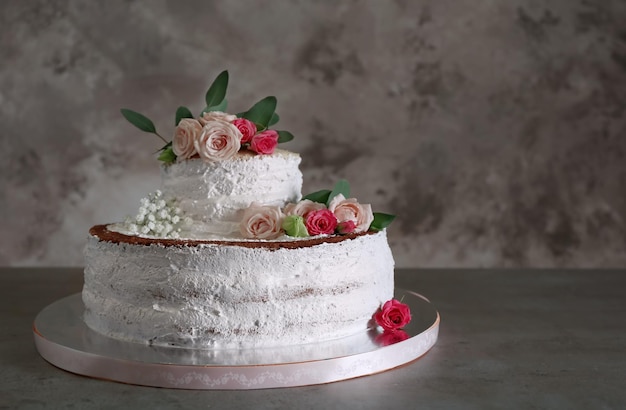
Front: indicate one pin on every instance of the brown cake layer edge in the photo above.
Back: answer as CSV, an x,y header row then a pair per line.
x,y
102,233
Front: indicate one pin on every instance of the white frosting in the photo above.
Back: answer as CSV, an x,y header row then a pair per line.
x,y
226,296
214,194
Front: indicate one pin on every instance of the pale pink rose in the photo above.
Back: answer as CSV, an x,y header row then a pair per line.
x,y
264,142
261,222
247,129
322,222
350,210
218,140
216,116
393,315
185,135
303,208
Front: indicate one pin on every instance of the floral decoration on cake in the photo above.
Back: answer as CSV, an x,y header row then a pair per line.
x,y
325,212
216,135
159,217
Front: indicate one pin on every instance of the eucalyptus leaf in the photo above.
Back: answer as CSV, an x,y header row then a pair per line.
x,y
318,196
341,187
275,118
182,112
220,107
138,120
261,113
217,91
167,155
381,221
284,136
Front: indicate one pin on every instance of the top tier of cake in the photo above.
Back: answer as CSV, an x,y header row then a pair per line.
x,y
214,194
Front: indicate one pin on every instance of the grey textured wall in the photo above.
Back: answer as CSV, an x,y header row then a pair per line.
x,y
495,130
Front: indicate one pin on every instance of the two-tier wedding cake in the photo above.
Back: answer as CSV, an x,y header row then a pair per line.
x,y
228,254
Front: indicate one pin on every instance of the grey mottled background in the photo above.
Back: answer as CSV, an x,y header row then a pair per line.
x,y
495,130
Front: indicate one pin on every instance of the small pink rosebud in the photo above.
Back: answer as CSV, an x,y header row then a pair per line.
x,y
346,227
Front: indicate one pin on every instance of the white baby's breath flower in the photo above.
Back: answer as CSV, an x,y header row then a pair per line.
x,y
158,217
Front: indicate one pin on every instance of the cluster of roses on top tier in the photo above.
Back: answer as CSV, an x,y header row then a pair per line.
x,y
323,212
217,136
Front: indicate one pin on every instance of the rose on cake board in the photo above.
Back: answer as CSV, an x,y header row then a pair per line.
x,y
216,135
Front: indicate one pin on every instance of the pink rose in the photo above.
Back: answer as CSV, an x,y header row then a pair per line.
x,y
184,137
219,140
247,129
393,315
350,210
346,227
264,142
391,337
216,116
303,208
261,222
320,222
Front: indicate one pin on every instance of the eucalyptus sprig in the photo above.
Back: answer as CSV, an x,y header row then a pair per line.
x,y
141,121
263,114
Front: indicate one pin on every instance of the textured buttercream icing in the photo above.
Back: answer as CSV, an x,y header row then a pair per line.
x,y
214,194
229,296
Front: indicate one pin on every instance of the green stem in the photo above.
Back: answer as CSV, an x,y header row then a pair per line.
x,y
159,135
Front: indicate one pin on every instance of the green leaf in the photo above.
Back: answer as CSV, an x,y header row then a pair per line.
x,y
138,120
217,91
261,113
219,107
381,221
275,118
182,112
341,187
318,196
167,155
294,226
284,136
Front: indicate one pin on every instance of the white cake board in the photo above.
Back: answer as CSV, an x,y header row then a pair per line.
x,y
63,339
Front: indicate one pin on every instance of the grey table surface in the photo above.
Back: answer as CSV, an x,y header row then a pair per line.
x,y
508,339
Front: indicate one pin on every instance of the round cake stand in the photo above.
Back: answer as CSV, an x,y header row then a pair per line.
x,y
63,339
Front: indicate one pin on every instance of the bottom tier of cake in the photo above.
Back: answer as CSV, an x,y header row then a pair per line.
x,y
211,294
